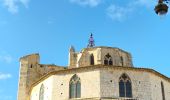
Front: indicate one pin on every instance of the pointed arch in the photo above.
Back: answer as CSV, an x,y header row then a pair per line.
x,y
122,61
41,92
125,86
108,60
91,59
75,87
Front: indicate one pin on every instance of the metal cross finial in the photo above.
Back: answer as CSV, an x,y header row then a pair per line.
x,y
91,41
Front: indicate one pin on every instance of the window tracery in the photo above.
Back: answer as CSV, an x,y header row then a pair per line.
x,y
108,60
125,87
75,87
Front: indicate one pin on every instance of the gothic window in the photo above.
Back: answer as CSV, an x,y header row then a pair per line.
x,y
125,87
163,92
121,59
108,60
91,59
41,93
75,87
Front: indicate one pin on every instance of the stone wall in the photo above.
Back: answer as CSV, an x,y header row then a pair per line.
x,y
157,89
90,86
116,55
81,59
26,75
110,83
102,83
58,86
30,72
48,89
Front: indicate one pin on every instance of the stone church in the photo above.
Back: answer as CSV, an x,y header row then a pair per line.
x,y
94,73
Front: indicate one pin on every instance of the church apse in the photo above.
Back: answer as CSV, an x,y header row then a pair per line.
x,y
101,56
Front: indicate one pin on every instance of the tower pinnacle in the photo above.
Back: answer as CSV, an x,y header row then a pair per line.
x,y
91,41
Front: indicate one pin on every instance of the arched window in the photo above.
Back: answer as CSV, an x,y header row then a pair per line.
x,y
121,59
125,87
108,60
41,93
163,92
31,66
91,59
75,87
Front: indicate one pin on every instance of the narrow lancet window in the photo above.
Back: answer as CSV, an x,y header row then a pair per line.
x,y
121,59
41,93
91,59
163,92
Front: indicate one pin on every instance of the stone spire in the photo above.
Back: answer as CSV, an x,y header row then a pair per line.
x,y
91,41
72,49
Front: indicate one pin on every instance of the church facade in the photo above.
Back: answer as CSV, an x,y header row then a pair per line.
x,y
94,73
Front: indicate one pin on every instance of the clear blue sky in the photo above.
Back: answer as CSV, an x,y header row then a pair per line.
x,y
49,27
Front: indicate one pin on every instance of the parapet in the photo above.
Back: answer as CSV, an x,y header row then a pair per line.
x,y
32,58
